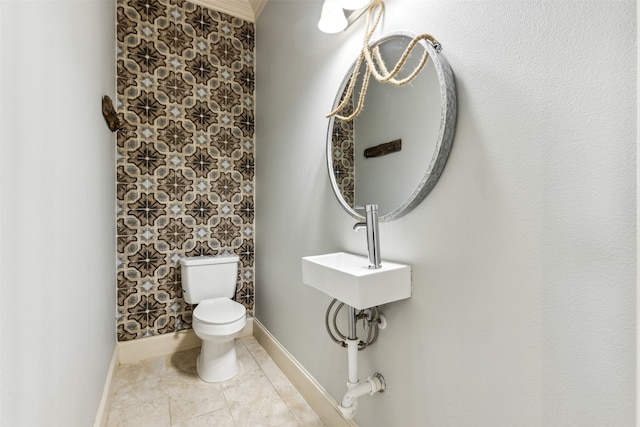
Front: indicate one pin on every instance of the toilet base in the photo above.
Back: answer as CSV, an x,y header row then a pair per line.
x,y
217,361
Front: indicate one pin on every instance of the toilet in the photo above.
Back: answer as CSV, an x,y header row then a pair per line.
x,y
210,282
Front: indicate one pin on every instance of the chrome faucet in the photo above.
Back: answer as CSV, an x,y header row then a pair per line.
x,y
373,240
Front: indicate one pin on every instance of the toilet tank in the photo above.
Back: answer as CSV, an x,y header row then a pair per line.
x,y
207,277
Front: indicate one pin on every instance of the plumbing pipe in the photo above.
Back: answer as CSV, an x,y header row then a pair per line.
x,y
352,349
352,324
349,404
352,357
371,317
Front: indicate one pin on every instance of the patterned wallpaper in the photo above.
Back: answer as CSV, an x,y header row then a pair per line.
x,y
344,159
343,154
185,158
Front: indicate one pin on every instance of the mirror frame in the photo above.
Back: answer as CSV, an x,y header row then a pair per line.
x,y
448,113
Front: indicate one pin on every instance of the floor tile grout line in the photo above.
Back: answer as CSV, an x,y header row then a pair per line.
x,y
224,395
166,360
226,405
272,384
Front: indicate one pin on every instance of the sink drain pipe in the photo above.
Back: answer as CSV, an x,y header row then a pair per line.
x,y
349,404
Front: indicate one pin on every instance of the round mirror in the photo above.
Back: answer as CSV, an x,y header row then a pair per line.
x,y
394,151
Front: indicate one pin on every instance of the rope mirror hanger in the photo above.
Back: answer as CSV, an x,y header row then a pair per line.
x,y
374,64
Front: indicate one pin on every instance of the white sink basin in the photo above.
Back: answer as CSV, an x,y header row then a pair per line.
x,y
348,278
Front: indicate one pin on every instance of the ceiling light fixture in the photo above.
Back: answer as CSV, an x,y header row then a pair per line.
x,y
332,19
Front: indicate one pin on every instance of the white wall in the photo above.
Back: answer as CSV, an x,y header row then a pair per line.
x,y
523,306
57,326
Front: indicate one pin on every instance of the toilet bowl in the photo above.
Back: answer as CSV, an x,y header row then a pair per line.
x,y
217,322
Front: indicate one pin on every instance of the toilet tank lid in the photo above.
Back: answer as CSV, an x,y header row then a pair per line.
x,y
207,260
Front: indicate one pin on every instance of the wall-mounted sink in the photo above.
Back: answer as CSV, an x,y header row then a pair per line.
x,y
348,278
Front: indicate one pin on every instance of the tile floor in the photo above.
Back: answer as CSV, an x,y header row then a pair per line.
x,y
166,391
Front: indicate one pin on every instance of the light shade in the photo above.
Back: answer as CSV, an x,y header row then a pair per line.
x,y
353,4
332,19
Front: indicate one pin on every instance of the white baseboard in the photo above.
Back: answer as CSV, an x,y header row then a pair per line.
x,y
107,391
317,397
161,345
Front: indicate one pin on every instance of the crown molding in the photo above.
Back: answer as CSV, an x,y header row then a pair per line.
x,y
249,10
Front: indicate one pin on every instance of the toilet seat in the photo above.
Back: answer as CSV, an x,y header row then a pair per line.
x,y
219,311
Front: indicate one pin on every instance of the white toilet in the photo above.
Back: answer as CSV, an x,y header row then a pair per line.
x,y
210,282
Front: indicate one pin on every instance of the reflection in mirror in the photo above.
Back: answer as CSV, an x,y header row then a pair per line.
x,y
406,130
